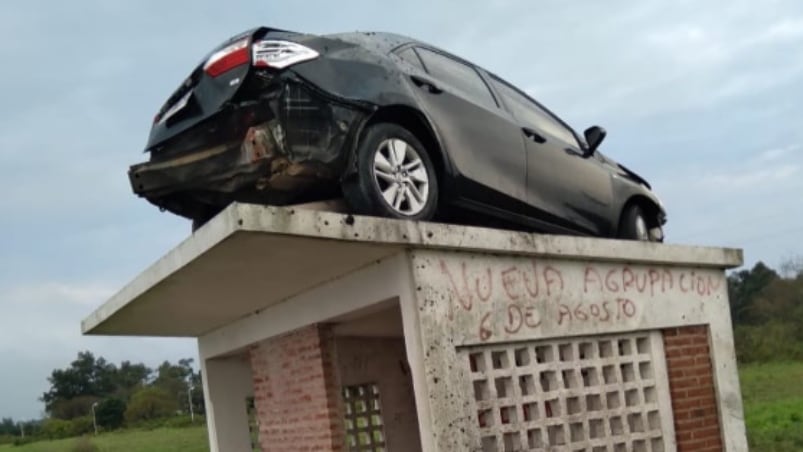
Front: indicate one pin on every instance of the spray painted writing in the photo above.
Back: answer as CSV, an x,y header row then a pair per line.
x,y
508,299
647,281
513,283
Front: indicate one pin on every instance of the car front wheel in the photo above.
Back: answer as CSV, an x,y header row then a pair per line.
x,y
395,176
634,225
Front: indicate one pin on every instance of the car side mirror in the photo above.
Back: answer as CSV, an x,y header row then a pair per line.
x,y
594,136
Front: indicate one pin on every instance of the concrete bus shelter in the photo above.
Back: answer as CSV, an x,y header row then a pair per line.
x,y
353,333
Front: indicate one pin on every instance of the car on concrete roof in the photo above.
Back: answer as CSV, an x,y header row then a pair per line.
x,y
395,126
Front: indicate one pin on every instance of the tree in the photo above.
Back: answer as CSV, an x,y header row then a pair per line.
x,y
781,300
150,403
744,286
110,413
174,379
767,310
8,427
86,377
792,267
73,390
131,377
198,404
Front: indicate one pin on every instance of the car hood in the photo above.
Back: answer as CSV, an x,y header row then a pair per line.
x,y
624,171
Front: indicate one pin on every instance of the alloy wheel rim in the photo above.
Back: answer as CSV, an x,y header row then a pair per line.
x,y
401,176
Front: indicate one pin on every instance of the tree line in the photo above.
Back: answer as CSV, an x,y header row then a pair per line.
x,y
767,312
92,391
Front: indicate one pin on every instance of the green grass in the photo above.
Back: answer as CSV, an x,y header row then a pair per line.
x,y
191,439
773,405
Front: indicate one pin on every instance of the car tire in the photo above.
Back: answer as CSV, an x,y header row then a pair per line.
x,y
634,225
395,177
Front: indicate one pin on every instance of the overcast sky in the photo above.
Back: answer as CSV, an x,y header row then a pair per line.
x,y
704,99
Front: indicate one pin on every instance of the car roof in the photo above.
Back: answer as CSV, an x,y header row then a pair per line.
x,y
384,42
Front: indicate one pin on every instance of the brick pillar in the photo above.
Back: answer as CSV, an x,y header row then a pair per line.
x,y
691,385
296,392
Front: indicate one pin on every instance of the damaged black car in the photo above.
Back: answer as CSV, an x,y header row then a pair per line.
x,y
394,126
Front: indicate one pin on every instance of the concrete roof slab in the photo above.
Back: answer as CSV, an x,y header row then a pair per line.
x,y
250,257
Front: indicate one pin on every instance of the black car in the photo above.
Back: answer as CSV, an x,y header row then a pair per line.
x,y
395,126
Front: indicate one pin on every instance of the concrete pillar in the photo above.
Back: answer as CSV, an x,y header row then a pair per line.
x,y
227,385
296,391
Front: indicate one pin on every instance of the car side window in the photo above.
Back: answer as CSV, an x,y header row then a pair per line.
x,y
531,114
460,76
409,56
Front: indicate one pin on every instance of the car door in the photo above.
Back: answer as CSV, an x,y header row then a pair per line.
x,y
562,179
481,138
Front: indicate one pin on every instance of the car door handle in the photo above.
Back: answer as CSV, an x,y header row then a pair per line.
x,y
533,135
423,82
574,153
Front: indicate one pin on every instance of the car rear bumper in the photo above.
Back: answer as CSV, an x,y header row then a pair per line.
x,y
251,170
290,146
216,169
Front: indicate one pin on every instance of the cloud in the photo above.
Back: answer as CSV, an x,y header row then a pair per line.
x,y
45,293
748,203
763,173
775,154
40,331
787,29
688,44
743,179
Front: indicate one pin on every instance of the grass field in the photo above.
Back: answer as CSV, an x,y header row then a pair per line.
x,y
773,402
773,405
192,439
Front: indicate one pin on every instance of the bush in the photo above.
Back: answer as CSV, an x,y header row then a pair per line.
x,y
19,441
82,426
183,421
772,341
59,428
150,403
56,428
84,444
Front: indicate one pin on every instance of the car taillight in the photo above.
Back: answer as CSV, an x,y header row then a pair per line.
x,y
280,54
227,58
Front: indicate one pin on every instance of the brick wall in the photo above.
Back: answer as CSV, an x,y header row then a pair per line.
x,y
296,392
691,385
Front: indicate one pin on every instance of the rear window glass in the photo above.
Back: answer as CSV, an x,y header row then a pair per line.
x,y
409,56
459,76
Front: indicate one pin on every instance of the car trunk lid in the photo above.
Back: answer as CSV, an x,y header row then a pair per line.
x,y
213,83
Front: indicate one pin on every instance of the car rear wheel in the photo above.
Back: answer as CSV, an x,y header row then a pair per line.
x,y
634,225
395,176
